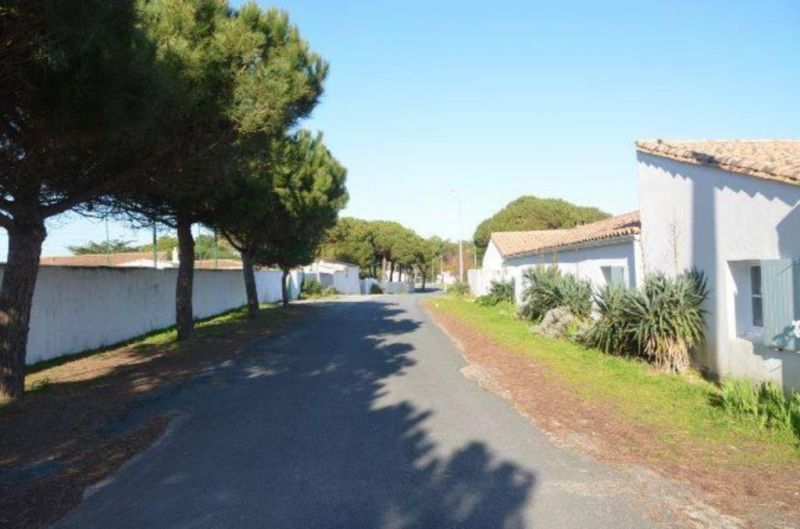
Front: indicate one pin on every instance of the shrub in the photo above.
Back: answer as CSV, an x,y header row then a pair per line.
x,y
765,403
375,288
611,332
666,318
555,323
459,288
547,289
739,397
329,291
311,287
499,292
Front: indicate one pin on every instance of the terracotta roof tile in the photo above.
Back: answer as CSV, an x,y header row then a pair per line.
x,y
114,259
221,264
770,159
516,243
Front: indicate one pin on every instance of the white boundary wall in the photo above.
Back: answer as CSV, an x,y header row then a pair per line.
x,y
80,309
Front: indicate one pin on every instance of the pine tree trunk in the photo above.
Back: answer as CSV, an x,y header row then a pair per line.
x,y
250,284
284,287
391,271
184,311
16,297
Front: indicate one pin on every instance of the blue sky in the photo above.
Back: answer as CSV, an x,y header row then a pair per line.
x,y
508,98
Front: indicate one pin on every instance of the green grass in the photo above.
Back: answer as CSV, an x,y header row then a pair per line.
x,y
678,408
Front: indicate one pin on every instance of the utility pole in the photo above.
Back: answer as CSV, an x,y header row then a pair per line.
x,y
216,252
155,246
460,239
474,255
108,244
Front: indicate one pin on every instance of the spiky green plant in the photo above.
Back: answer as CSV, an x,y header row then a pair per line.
x,y
773,405
611,332
766,403
739,397
547,289
668,319
499,292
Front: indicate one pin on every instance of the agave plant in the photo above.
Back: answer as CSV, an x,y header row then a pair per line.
x,y
499,292
612,331
667,318
547,289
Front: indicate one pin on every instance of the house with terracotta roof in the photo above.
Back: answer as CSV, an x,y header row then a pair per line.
x,y
606,251
732,210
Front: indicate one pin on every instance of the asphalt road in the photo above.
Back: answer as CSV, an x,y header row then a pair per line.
x,y
358,418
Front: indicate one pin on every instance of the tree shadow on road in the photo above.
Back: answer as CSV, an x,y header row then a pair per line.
x,y
305,432
333,450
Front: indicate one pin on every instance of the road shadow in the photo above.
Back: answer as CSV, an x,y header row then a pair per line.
x,y
304,433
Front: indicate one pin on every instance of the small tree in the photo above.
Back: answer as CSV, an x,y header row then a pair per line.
x,y
249,200
423,255
308,190
351,240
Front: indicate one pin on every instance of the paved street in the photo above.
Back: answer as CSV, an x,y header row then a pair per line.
x,y
356,418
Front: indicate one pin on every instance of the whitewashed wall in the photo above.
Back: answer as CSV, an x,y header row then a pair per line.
x,y
346,281
79,309
480,279
492,258
397,287
704,217
366,284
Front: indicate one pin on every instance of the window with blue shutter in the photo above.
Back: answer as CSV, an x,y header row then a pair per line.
x,y
780,290
614,275
618,275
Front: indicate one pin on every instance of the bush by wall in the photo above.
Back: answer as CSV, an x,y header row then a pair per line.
x,y
662,321
499,292
547,289
375,288
311,288
611,331
459,288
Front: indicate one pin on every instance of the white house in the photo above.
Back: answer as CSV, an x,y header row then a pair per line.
x,y
600,252
344,277
732,210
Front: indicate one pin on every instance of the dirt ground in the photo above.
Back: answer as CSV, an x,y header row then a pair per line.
x,y
66,435
763,496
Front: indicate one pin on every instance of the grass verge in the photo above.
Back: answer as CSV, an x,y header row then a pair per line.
x,y
679,409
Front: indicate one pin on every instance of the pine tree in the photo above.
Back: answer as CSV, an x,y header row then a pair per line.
x,y
80,98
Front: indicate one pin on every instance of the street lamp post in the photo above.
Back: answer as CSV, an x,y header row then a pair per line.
x,y
460,238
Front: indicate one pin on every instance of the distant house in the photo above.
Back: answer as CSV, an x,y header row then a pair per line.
x,y
344,277
732,210
606,251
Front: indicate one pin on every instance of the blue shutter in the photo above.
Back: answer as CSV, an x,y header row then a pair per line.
x,y
618,275
780,282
